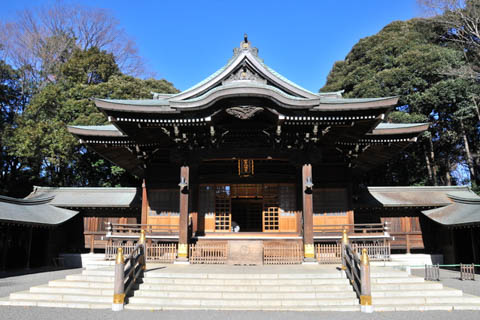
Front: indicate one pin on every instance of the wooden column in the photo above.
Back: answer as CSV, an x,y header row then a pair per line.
x,y
144,203
183,223
307,192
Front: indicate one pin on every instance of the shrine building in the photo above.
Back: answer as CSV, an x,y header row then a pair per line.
x,y
248,159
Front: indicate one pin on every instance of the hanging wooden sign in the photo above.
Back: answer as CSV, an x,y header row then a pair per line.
x,y
245,167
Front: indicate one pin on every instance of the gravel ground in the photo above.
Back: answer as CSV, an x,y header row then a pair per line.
x,y
80,314
23,282
451,279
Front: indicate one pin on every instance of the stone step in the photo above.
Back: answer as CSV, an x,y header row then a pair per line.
x,y
72,290
388,274
243,303
333,308
417,293
243,295
81,277
246,276
80,284
430,307
416,300
397,280
242,282
245,288
60,297
407,286
55,304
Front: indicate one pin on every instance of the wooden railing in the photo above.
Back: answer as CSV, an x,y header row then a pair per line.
x,y
111,249
127,272
357,270
116,229
331,253
93,239
161,252
155,252
209,253
328,253
407,240
352,229
282,253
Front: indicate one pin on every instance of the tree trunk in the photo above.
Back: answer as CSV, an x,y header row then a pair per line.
x,y
429,167
476,107
448,176
468,154
432,159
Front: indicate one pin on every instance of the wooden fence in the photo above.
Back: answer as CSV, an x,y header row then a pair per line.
x,y
209,253
282,253
161,252
328,253
155,252
331,253
111,249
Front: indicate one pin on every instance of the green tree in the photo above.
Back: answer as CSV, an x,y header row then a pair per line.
x,y
41,139
408,59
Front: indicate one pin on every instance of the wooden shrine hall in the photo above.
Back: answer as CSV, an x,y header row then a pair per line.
x,y
247,158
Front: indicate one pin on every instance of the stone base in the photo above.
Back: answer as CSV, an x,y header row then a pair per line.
x,y
117,306
181,261
309,261
366,309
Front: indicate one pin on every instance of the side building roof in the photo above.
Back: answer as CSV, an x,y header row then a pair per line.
x,y
85,197
36,211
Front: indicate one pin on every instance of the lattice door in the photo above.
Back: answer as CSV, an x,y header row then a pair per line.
x,y
271,219
223,217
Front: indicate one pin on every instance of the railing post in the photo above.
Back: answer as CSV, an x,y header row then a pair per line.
x,y
119,284
344,248
366,291
142,241
92,243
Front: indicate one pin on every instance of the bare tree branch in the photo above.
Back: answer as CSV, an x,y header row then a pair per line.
x,y
39,40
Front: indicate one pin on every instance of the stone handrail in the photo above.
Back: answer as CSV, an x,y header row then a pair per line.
x,y
357,270
127,271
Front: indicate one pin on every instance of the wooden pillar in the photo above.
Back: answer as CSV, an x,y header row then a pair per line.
x,y
183,223
29,246
307,191
144,203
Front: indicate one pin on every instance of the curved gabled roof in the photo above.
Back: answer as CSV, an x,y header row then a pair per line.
x,y
245,75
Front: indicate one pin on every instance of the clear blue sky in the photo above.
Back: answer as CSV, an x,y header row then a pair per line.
x,y
185,41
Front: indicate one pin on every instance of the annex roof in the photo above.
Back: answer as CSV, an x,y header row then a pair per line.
x,y
38,211
464,210
85,197
411,196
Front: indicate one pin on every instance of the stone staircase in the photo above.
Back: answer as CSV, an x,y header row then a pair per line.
x,y
276,288
400,292
237,290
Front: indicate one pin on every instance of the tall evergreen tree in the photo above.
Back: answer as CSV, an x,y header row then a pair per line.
x,y
410,60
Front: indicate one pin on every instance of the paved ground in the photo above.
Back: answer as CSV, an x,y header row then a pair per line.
x,y
18,283
13,283
452,279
